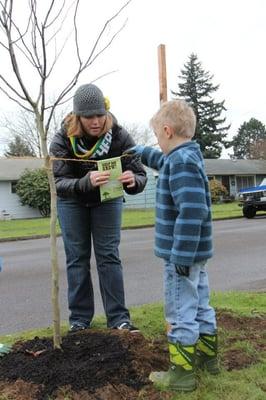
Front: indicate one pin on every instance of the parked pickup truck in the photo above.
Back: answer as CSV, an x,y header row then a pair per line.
x,y
253,199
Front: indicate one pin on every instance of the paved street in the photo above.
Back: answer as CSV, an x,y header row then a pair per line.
x,y
239,264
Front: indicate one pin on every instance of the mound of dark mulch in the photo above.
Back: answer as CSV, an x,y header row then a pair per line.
x,y
88,361
112,365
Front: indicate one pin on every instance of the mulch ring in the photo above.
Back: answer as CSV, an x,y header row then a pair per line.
x,y
109,365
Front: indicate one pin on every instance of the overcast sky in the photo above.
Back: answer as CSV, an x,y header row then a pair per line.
x,y
228,37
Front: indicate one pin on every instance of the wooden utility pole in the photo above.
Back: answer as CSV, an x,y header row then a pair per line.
x,y
162,73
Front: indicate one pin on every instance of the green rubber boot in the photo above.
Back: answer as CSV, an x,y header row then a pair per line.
x,y
206,355
181,374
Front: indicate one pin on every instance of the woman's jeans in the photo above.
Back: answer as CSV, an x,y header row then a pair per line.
x,y
80,225
187,309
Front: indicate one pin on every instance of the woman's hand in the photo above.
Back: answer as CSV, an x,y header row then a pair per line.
x,y
99,178
128,179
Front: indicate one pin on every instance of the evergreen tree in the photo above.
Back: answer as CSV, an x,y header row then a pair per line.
x,y
197,89
250,137
19,148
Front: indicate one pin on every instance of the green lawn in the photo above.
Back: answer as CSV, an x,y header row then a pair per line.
x,y
131,218
226,210
239,384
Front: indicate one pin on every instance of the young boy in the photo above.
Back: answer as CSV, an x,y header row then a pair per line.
x,y
183,238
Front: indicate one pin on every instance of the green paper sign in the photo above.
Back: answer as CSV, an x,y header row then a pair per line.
x,y
113,188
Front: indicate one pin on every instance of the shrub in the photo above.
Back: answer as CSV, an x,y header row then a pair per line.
x,y
217,190
33,190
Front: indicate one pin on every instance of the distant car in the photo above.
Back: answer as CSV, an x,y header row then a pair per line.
x,y
253,199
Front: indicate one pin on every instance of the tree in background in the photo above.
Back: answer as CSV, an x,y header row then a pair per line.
x,y
249,143
197,89
18,147
141,134
22,124
258,150
218,190
33,190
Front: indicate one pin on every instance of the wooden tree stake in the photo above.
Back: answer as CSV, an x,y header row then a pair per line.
x,y
162,73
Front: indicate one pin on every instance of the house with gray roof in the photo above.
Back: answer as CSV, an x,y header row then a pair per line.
x,y
10,171
236,174
233,174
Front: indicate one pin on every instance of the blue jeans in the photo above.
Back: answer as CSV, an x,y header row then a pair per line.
x,y
187,309
81,226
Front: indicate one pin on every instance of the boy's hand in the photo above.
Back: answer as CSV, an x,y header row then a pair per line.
x,y
182,270
135,150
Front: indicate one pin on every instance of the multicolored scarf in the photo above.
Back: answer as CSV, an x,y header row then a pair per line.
x,y
100,148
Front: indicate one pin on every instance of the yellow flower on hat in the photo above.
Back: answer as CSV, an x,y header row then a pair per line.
x,y
107,103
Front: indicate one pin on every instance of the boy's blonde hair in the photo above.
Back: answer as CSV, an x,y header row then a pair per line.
x,y
74,128
177,114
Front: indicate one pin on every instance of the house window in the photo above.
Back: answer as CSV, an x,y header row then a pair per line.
x,y
13,186
244,182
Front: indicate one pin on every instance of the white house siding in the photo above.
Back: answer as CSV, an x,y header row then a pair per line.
x,y
146,199
10,206
10,170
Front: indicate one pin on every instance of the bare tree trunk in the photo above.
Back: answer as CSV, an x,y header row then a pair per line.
x,y
53,238
54,256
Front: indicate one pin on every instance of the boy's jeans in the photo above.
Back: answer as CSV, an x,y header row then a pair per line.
x,y
187,309
79,225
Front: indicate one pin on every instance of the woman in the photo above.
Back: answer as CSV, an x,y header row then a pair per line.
x,y
91,133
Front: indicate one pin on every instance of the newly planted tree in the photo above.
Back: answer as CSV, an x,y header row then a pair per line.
x,y
31,40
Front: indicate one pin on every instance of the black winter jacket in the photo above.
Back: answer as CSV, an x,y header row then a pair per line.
x,y
73,178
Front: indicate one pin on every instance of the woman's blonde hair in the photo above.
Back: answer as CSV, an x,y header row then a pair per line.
x,y
179,115
74,127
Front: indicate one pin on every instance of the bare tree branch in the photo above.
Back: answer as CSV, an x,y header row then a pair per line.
x,y
8,30
48,13
103,75
56,16
35,28
76,33
20,35
107,23
3,45
59,28
15,100
57,56
87,63
12,88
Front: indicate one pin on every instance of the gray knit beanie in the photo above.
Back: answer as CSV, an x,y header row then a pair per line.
x,y
88,101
